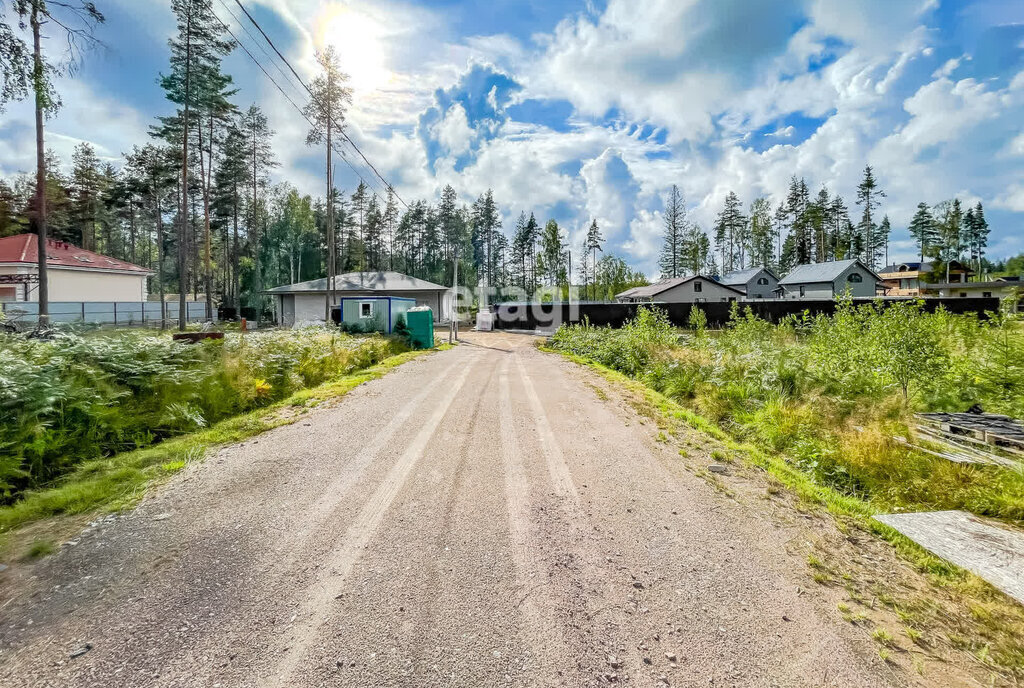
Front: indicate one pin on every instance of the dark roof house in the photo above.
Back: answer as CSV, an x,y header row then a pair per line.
x,y
306,301
693,289
756,283
829,279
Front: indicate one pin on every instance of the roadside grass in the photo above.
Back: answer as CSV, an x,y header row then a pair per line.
x,y
118,482
948,602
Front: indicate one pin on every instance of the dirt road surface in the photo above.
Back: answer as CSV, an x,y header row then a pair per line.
x,y
484,516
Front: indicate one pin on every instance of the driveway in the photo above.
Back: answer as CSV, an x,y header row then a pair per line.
x,y
485,516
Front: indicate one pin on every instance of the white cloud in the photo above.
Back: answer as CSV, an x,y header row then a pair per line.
x,y
454,132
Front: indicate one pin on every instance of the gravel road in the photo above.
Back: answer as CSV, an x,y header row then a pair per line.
x,y
479,517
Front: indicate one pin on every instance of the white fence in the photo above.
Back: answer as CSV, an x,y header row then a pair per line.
x,y
119,313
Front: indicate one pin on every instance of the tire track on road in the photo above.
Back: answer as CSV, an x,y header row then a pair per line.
x,y
601,651
543,633
316,606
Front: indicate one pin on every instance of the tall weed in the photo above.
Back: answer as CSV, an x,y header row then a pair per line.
x,y
829,392
79,397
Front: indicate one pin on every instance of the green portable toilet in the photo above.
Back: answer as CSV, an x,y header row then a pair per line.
x,y
421,327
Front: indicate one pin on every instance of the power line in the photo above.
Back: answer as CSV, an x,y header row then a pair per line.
x,y
304,85
288,97
254,39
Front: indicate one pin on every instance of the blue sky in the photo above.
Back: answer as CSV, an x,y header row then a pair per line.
x,y
580,109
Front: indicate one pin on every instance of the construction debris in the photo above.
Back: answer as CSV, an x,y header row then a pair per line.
x,y
975,437
985,547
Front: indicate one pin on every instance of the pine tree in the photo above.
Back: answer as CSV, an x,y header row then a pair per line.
x,y
762,240
868,197
730,233
357,207
553,252
924,230
950,247
24,72
195,56
671,261
696,251
976,233
521,248
818,220
839,236
329,100
801,239
884,232
592,244
86,188
257,135
449,224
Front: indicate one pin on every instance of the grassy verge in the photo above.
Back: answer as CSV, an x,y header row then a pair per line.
x,y
118,482
942,610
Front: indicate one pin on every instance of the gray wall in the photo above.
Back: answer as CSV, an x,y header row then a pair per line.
x,y
711,292
826,290
762,291
309,306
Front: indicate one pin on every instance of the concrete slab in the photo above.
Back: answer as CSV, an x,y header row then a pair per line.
x,y
987,548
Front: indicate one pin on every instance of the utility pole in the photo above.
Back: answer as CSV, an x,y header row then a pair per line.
x,y
453,329
38,76
568,278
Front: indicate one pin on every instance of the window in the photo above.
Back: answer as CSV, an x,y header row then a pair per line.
x,y
366,309
803,292
762,281
698,287
986,295
963,294
855,278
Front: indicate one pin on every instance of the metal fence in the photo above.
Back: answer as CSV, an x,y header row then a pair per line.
x,y
118,313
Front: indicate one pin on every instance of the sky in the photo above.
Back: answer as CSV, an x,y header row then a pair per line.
x,y
582,109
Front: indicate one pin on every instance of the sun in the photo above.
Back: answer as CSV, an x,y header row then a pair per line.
x,y
359,42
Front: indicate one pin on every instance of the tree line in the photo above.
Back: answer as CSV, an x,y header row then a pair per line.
x,y
804,229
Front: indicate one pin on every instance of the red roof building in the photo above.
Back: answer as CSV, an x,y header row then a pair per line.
x,y
75,274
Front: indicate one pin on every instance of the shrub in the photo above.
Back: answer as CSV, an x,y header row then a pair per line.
x,y
82,397
830,392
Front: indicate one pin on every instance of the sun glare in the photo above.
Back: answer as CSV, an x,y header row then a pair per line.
x,y
358,39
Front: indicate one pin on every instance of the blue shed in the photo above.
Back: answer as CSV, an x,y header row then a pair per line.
x,y
375,313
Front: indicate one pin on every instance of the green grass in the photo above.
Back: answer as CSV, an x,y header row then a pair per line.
x,y
40,549
119,481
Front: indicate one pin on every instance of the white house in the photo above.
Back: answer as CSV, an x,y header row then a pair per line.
x,y
306,301
694,289
825,281
73,274
756,283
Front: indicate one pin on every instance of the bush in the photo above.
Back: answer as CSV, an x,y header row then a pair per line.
x,y
82,397
828,393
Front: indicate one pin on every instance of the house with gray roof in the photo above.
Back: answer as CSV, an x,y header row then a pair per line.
x,y
755,283
306,301
830,279
693,289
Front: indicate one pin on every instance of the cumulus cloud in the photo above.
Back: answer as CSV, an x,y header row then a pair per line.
x,y
600,115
